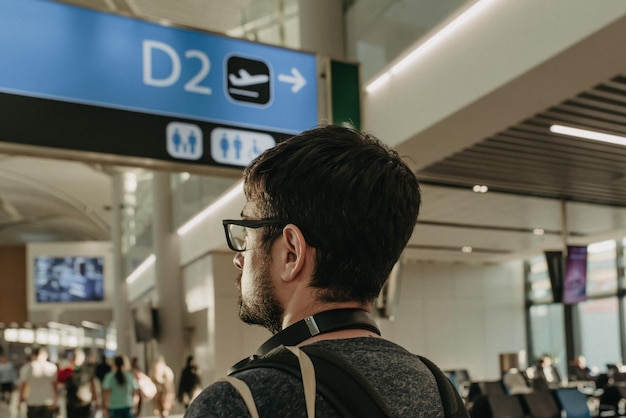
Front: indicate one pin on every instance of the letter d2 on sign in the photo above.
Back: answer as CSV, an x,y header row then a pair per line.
x,y
170,67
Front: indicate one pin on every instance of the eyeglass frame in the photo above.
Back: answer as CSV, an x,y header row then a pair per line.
x,y
247,223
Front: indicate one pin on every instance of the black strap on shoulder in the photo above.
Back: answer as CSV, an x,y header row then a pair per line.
x,y
320,323
453,405
344,387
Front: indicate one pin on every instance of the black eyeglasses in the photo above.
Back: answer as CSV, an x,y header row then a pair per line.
x,y
235,230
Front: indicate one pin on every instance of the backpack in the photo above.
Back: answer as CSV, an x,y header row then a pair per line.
x,y
340,383
78,387
147,388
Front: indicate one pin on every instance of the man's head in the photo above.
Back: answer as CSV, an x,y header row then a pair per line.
x,y
353,199
40,353
79,357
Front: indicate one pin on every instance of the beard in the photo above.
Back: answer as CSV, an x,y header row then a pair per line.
x,y
262,308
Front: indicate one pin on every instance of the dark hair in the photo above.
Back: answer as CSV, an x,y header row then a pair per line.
x,y
119,374
354,199
37,350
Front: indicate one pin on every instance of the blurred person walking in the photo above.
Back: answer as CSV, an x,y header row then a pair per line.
x,y
120,391
163,377
190,385
80,388
8,376
37,385
102,368
147,388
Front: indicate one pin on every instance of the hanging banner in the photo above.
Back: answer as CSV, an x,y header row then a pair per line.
x,y
575,281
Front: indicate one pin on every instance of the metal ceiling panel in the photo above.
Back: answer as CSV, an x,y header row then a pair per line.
x,y
528,159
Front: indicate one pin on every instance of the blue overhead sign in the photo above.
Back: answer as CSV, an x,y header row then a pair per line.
x,y
50,50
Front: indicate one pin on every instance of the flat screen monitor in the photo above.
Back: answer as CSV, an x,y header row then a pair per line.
x,y
554,261
146,322
68,279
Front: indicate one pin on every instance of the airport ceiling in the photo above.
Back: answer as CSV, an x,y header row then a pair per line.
x,y
572,190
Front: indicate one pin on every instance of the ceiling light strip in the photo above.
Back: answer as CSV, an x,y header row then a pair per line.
x,y
213,208
587,134
147,263
436,39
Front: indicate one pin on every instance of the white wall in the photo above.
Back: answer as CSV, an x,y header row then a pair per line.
x,y
461,316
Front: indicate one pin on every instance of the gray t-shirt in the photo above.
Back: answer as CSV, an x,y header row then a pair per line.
x,y
405,384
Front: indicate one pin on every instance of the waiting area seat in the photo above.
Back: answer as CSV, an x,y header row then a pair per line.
x,y
497,406
485,388
613,400
554,403
573,402
540,404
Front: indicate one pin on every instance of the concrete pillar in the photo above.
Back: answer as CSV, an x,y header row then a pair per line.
x,y
322,27
167,276
121,309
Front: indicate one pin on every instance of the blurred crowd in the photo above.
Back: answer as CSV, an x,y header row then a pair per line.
x,y
79,386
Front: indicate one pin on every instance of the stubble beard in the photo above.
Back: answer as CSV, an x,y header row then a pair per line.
x,y
262,308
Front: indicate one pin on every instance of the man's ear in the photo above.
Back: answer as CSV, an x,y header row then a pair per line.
x,y
294,252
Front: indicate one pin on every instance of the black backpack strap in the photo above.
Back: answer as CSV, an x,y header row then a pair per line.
x,y
453,405
344,387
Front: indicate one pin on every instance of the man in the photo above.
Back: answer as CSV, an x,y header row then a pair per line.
x,y
80,387
7,378
327,215
102,368
38,385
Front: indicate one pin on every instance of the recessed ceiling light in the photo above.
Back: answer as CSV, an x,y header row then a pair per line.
x,y
480,188
587,134
538,231
467,249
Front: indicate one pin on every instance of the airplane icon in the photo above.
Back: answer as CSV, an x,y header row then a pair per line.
x,y
245,79
248,80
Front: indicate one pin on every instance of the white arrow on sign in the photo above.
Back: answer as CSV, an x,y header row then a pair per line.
x,y
295,78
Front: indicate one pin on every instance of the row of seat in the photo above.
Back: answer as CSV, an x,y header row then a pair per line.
x,y
548,403
538,404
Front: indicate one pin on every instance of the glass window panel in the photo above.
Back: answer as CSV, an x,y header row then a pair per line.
x,y
192,193
540,288
548,335
383,30
601,269
136,218
599,331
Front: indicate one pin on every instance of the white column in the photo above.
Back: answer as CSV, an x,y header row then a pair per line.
x,y
171,342
121,309
322,27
